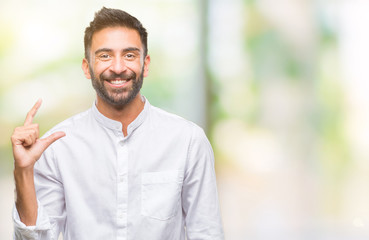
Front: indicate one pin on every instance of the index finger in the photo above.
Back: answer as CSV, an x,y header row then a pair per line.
x,y
31,114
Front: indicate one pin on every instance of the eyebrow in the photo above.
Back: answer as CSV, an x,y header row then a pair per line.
x,y
129,49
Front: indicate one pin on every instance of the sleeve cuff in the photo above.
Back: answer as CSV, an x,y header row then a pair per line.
x,y
21,231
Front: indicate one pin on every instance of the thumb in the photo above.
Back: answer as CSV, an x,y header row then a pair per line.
x,y
52,138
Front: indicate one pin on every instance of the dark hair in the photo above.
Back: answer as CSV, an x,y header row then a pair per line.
x,y
108,17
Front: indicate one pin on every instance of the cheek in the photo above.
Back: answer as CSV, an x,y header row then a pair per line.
x,y
100,68
135,66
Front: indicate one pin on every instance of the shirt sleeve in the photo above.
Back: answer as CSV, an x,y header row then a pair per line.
x,y
51,206
21,231
199,195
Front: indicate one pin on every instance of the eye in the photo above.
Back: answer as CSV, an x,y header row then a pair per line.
x,y
130,56
104,57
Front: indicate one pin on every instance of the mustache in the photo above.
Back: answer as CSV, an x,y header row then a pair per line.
x,y
112,76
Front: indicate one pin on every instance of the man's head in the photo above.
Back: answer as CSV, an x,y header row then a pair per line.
x,y
108,17
116,58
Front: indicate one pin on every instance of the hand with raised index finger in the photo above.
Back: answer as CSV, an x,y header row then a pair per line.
x,y
27,146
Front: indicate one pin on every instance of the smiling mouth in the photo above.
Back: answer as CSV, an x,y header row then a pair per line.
x,y
117,82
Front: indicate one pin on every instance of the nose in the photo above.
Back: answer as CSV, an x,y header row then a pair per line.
x,y
118,65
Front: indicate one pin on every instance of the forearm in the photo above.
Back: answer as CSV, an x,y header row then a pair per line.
x,y
26,201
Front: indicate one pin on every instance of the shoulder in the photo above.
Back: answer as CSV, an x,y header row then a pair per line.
x,y
179,129
164,120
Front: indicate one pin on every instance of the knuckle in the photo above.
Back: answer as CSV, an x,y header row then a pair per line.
x,y
15,134
31,136
27,138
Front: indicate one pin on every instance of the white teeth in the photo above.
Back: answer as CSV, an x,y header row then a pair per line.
x,y
117,82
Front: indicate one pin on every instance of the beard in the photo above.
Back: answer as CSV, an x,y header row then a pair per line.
x,y
117,97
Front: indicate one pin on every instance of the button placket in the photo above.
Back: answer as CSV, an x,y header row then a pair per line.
x,y
122,187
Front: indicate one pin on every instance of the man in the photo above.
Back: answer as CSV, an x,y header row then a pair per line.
x,y
121,170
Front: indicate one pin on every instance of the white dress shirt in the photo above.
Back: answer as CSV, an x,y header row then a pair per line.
x,y
157,183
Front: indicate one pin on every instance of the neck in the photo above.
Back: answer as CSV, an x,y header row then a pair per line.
x,y
124,114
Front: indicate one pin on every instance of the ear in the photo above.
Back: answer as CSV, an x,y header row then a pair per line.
x,y
86,69
146,65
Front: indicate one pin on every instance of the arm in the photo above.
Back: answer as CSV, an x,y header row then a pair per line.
x,y
27,149
199,196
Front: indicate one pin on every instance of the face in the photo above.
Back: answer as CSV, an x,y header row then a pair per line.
x,y
116,66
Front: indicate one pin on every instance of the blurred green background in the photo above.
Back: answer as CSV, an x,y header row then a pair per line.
x,y
281,88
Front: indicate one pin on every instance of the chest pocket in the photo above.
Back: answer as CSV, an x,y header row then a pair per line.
x,y
161,194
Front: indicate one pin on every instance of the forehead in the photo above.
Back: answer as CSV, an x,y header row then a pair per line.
x,y
116,38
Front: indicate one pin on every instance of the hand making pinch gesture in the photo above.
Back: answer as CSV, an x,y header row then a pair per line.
x,y
27,146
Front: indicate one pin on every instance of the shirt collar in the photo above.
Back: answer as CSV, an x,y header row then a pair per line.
x,y
117,126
